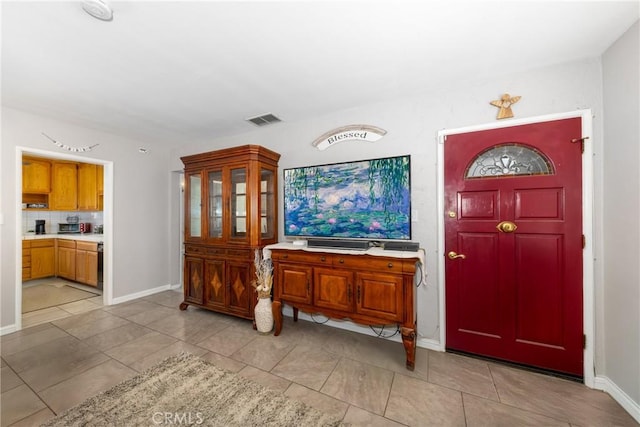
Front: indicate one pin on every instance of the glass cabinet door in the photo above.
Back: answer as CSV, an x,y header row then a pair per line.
x,y
195,205
267,204
238,203
215,204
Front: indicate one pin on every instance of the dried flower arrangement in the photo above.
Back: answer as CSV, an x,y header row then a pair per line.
x,y
264,276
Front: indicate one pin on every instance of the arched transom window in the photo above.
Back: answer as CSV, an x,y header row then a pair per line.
x,y
510,159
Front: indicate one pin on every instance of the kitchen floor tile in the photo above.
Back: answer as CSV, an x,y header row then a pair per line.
x,y
274,382
483,412
230,339
359,384
462,373
308,366
35,419
81,306
117,336
223,362
158,356
359,417
46,315
558,398
86,326
156,313
18,403
263,352
416,402
171,298
317,400
139,348
9,379
23,340
76,389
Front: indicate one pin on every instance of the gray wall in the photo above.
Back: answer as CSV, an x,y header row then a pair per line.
x,y
141,226
412,125
620,328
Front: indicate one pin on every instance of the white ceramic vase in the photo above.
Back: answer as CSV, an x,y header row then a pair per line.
x,y
263,315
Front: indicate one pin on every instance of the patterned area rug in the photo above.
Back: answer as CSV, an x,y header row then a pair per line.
x,y
185,390
46,295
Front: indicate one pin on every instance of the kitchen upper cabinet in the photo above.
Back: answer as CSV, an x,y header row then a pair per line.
x,y
36,175
64,192
61,185
88,186
230,212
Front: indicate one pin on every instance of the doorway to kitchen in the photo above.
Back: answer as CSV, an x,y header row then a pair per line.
x,y
51,295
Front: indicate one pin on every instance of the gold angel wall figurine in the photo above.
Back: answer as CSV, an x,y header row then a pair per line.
x,y
505,103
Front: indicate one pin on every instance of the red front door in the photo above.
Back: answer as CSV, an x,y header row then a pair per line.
x,y
513,244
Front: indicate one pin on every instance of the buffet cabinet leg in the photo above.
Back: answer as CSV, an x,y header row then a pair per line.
x,y
409,341
276,308
183,306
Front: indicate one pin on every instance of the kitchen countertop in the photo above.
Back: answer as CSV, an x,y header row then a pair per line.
x,y
87,237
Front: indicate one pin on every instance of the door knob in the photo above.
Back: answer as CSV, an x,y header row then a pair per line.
x,y
453,255
506,227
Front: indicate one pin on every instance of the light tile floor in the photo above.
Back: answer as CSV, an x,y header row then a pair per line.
x,y
52,366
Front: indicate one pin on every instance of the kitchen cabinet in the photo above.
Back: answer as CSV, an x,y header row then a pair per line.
x,y
66,266
367,289
36,175
87,263
38,259
87,186
64,191
230,211
26,260
42,258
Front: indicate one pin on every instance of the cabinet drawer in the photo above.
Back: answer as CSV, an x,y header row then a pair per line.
x,y
26,260
192,249
42,243
368,263
66,243
26,244
87,246
301,257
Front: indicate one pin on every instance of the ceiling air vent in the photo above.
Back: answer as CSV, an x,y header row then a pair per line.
x,y
263,120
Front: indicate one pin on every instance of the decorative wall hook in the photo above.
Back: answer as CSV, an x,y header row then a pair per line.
x,y
70,148
504,103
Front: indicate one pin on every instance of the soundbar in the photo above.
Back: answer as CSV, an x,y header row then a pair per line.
x,y
401,246
361,245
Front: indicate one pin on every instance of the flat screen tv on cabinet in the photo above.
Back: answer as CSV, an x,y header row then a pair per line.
x,y
367,199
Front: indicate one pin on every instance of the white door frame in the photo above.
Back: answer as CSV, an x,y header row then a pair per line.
x,y
107,215
588,287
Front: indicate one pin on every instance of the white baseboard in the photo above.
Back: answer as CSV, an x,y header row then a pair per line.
x,y
7,329
175,286
145,293
605,384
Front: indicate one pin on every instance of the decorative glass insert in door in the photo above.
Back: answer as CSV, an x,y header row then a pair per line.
x,y
215,204
510,159
267,204
238,203
195,205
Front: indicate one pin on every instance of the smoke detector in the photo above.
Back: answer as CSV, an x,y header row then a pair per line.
x,y
99,9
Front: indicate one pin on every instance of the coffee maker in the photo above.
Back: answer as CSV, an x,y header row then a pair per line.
x,y
40,226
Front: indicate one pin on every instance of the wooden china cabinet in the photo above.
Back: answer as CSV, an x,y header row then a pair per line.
x,y
230,211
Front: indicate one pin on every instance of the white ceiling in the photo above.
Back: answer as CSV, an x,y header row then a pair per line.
x,y
180,71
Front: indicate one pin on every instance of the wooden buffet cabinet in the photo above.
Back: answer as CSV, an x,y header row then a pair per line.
x,y
230,212
367,289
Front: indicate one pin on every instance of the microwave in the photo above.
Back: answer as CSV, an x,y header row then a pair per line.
x,y
68,228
